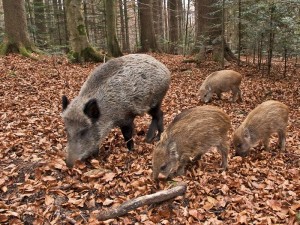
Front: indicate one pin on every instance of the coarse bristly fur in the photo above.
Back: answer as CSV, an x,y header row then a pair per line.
x,y
113,95
221,81
267,118
191,134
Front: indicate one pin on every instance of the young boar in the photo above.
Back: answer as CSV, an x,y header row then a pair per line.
x,y
267,118
113,95
221,81
191,134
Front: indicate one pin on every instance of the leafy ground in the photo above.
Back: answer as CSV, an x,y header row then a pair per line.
x,y
36,187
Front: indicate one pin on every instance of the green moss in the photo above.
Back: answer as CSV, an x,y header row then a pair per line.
x,y
3,48
81,29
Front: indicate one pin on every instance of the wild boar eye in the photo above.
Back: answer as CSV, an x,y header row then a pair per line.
x,y
163,167
239,145
82,132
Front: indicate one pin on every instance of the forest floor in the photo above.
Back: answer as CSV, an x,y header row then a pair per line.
x,y
36,187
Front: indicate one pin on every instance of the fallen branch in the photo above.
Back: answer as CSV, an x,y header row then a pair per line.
x,y
140,201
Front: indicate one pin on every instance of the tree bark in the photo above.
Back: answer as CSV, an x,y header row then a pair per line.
x,y
209,32
16,37
147,36
39,21
112,42
173,26
140,201
158,22
81,50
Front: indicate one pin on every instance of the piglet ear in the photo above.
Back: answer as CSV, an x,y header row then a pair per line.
x,y
65,102
91,109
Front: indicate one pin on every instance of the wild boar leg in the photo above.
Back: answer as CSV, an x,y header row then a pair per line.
x,y
127,131
281,139
219,94
156,124
236,94
240,95
266,143
223,149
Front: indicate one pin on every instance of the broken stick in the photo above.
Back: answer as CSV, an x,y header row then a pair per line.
x,y
140,201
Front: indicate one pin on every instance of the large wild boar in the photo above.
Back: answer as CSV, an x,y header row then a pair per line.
x,y
191,134
267,118
221,81
113,95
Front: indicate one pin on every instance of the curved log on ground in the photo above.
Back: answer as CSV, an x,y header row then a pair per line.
x,y
140,201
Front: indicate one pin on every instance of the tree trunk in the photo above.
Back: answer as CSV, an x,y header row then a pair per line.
x,y
186,27
40,23
16,34
173,26
148,40
239,31
209,32
127,44
81,50
112,42
158,21
122,23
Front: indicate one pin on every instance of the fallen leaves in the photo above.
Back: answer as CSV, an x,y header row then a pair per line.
x,y
36,186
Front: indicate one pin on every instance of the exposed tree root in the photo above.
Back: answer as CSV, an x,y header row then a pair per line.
x,y
88,54
7,47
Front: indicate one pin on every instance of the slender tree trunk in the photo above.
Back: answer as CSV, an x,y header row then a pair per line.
x,y
223,35
186,27
239,31
173,26
30,19
81,49
123,38
40,23
158,21
112,42
16,35
127,44
271,39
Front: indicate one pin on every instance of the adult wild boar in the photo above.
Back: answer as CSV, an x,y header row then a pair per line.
x,y
221,81
191,134
113,95
267,118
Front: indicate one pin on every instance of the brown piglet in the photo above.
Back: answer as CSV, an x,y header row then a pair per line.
x,y
221,81
267,118
191,134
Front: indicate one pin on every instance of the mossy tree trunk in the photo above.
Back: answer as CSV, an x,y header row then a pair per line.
x,y
81,50
16,39
112,42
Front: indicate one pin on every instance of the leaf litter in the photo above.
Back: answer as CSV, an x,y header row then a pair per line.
x,y
36,187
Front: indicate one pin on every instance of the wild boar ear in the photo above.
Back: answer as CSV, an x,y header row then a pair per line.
x,y
247,134
65,102
91,109
173,149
